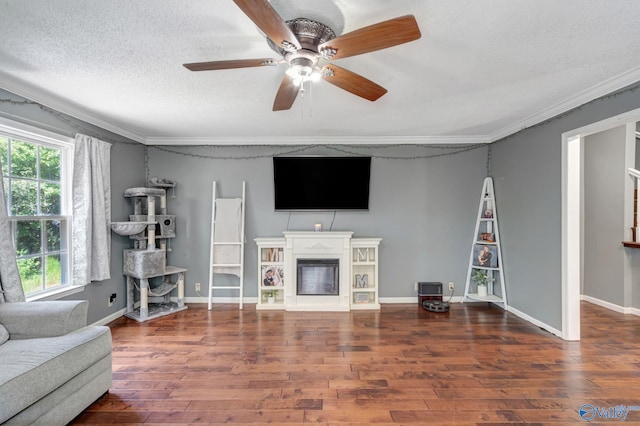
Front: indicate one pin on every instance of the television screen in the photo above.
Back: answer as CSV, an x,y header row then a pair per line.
x,y
321,183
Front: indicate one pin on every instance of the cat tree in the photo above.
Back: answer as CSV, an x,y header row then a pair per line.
x,y
145,265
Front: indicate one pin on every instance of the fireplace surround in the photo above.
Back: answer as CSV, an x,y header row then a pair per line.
x,y
332,263
317,246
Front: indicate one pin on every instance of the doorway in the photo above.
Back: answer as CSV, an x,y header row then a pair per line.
x,y
573,214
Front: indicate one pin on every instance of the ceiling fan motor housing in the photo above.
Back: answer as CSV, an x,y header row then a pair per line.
x,y
309,33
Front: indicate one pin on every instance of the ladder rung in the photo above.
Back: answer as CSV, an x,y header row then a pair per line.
x,y
227,264
229,243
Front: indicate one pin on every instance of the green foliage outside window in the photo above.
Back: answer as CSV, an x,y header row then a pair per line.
x,y
32,183
4,144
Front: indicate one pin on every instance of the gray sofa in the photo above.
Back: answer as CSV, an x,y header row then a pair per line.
x,y
53,366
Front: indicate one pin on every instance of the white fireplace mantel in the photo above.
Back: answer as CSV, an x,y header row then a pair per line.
x,y
284,253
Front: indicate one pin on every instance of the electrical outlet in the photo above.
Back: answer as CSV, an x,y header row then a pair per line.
x,y
197,286
450,285
415,286
112,299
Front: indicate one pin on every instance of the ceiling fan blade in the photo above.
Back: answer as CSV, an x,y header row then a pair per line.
x,y
352,82
225,65
286,94
374,37
267,19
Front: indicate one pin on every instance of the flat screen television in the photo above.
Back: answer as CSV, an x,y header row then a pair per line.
x,y
321,183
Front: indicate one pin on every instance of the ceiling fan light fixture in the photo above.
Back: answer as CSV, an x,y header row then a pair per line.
x,y
303,70
316,74
300,74
299,71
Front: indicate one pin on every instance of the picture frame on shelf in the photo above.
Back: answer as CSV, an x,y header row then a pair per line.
x,y
485,256
272,276
488,237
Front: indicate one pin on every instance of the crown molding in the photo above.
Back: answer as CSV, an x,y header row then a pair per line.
x,y
321,140
22,89
601,89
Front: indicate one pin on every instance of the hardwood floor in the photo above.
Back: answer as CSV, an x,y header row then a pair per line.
x,y
403,365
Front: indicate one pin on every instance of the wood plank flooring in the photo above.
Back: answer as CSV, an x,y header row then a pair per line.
x,y
402,365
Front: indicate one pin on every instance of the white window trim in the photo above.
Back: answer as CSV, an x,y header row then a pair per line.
x,y
18,130
22,130
56,293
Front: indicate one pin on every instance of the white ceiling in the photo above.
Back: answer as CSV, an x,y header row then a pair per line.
x,y
483,68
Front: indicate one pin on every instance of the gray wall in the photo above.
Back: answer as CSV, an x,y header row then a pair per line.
x,y
527,173
604,229
127,170
423,209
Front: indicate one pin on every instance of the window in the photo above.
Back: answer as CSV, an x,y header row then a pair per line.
x,y
36,174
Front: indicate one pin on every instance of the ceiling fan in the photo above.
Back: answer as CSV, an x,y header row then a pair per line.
x,y
306,44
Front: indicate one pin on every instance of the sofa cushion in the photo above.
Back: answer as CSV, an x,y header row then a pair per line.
x,y
27,320
33,368
4,334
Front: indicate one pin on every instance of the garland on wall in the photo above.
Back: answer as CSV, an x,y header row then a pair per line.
x,y
73,123
629,89
444,150
187,150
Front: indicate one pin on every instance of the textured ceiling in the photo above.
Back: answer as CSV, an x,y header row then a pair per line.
x,y
482,69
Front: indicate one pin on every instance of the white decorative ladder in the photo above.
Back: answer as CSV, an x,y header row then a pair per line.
x,y
213,262
486,255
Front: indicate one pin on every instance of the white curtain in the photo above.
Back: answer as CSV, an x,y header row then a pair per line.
x,y
10,282
91,210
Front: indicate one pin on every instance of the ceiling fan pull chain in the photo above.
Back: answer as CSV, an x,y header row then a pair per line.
x,y
309,104
302,103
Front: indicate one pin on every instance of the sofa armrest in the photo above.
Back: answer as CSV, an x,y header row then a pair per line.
x,y
26,320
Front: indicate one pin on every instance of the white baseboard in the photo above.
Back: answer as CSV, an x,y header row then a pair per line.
x,y
229,299
611,306
390,300
398,299
414,299
535,321
113,316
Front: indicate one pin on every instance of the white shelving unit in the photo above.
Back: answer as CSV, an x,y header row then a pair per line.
x,y
271,285
364,273
486,255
